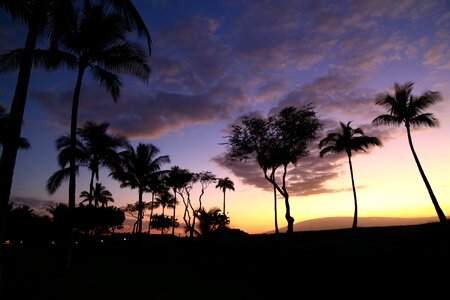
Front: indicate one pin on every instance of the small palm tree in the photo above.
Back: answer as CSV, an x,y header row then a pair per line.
x,y
405,108
225,184
100,195
348,140
136,168
165,199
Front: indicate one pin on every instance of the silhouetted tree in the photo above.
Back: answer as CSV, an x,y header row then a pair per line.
x,y
405,108
95,148
136,168
176,179
165,199
282,139
38,15
55,16
347,139
211,220
100,195
225,184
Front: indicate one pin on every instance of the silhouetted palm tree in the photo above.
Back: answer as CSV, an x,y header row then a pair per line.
x,y
136,168
165,199
225,184
98,43
405,108
96,148
100,147
347,139
38,15
100,195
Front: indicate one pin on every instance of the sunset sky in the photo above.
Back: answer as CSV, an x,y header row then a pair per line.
x,y
214,61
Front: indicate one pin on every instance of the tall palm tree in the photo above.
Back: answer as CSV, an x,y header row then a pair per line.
x,y
136,168
53,16
405,108
98,43
347,139
38,15
225,184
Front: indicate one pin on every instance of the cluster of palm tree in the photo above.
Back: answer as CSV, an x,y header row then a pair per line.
x,y
82,35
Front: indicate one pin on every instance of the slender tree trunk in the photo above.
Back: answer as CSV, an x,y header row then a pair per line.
x,y
151,214
17,110
290,220
440,213
72,170
224,189
140,209
275,205
174,206
163,223
91,187
355,214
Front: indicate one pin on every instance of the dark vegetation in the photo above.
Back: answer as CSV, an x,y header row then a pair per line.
x,y
378,262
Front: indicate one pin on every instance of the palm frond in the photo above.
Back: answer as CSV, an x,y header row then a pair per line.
x,y
426,119
10,60
387,120
57,178
109,80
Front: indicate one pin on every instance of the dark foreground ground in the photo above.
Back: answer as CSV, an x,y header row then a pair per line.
x,y
370,263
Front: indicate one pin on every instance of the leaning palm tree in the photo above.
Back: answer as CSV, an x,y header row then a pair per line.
x,y
405,108
225,184
136,168
347,139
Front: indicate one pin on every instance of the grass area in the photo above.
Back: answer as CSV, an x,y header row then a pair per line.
x,y
365,263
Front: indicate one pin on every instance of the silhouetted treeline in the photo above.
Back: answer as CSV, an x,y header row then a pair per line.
x,y
24,225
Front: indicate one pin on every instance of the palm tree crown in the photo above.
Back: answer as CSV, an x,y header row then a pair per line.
x,y
348,139
225,184
405,108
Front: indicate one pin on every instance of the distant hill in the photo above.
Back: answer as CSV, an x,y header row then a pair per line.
x,y
346,222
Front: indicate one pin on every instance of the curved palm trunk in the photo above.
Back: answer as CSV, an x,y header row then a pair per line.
x,y
9,152
355,214
440,213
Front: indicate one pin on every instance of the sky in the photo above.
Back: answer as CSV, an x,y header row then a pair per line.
x,y
214,61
